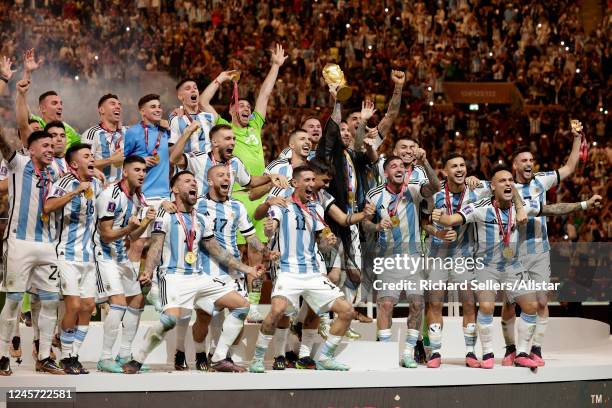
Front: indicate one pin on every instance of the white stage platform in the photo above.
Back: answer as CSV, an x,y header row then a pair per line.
x,y
575,350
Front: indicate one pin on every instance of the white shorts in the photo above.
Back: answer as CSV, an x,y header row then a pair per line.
x,y
116,279
392,282
237,283
510,279
317,290
151,202
189,291
440,273
537,266
29,265
77,278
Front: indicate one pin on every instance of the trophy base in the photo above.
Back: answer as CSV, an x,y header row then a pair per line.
x,y
344,93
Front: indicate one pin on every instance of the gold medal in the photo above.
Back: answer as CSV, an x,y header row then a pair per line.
x,y
507,252
44,217
395,221
190,257
351,197
156,158
89,194
326,232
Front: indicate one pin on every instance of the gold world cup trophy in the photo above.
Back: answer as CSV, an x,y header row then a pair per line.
x,y
333,75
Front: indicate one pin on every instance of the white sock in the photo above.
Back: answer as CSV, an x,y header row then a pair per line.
x,y
384,335
485,331
131,321
232,326
469,335
67,340
8,320
540,330
79,338
182,325
508,330
214,331
329,347
308,338
280,341
35,309
263,342
111,330
526,327
412,335
47,320
435,337
154,336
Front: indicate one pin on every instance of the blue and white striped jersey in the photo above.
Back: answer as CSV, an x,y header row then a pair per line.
x,y
26,193
296,238
227,218
463,246
59,166
534,235
405,238
200,139
76,221
4,170
488,239
175,242
114,204
281,167
103,145
199,163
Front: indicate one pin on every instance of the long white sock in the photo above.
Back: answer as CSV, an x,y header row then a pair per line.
x,y
526,327
111,330
182,325
280,341
8,320
508,331
308,339
540,330
469,335
35,309
131,321
79,338
47,320
329,348
67,340
232,326
263,342
435,337
214,331
350,292
412,336
485,331
384,335
154,336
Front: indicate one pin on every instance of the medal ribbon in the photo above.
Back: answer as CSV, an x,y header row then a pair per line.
x,y
112,134
214,162
190,235
504,234
305,209
141,199
396,199
449,204
146,135
46,179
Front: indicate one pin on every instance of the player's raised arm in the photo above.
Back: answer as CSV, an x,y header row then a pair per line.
x,y
6,146
209,92
433,184
399,78
277,59
567,208
572,161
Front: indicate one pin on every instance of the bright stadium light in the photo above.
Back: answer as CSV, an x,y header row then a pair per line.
x,y
386,9
431,103
369,47
595,144
348,25
96,57
127,28
577,70
540,25
76,77
429,88
566,48
606,111
457,133
562,43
